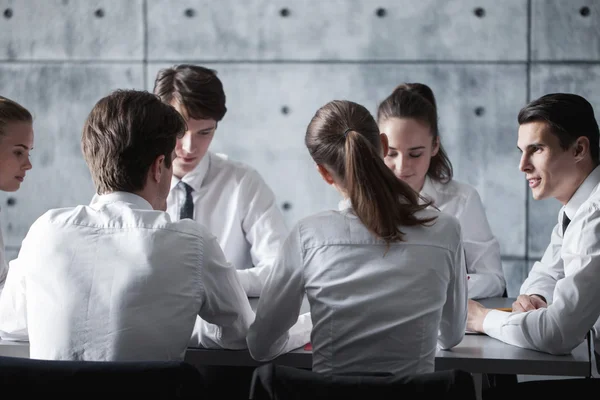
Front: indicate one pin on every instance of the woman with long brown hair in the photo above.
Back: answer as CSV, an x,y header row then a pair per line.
x,y
408,116
384,274
16,140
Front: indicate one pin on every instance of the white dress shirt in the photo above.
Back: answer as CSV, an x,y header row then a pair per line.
x,y
372,310
236,205
117,280
482,250
567,276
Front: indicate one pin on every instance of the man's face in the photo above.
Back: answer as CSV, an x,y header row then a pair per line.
x,y
192,147
549,169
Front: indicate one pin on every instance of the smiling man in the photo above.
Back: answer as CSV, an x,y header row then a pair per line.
x,y
228,197
559,301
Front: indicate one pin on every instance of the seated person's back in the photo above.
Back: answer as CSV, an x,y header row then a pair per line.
x,y
118,280
385,276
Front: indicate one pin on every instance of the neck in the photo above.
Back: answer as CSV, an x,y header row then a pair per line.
x,y
583,172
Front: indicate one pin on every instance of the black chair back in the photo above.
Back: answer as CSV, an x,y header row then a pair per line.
x,y
156,379
272,382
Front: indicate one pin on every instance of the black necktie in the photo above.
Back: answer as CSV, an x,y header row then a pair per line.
x,y
565,222
187,211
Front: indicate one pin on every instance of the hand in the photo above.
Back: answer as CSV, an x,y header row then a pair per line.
x,y
476,313
527,302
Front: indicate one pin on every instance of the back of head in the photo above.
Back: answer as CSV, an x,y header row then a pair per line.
x,y
417,101
124,134
195,91
344,137
11,111
569,117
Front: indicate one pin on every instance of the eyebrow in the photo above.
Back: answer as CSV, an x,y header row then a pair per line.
x,y
206,129
532,145
411,149
23,146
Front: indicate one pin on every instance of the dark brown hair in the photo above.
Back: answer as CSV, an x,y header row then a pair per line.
x,y
569,117
124,134
416,100
195,91
344,137
11,111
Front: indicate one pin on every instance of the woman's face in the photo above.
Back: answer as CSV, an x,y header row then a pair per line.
x,y
411,146
15,144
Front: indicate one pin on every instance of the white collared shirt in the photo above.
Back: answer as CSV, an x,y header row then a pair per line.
x,y
372,310
567,276
117,280
236,205
482,250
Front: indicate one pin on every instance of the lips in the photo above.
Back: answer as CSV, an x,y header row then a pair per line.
x,y
534,182
20,178
186,160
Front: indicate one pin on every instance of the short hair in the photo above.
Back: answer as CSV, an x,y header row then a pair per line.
x,y
11,111
569,116
124,134
195,91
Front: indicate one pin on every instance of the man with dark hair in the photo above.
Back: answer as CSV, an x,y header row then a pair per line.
x,y
229,197
559,301
119,280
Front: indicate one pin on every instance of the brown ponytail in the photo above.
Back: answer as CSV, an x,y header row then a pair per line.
x,y
344,137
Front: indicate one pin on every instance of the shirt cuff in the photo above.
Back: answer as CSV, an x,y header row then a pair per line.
x,y
494,321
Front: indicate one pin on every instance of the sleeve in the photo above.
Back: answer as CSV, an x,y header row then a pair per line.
x,y
225,314
482,251
563,325
265,229
548,271
277,328
13,300
454,314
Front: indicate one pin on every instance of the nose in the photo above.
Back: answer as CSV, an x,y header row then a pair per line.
x,y
403,164
27,165
524,163
186,142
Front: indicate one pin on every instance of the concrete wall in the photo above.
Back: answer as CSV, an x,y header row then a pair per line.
x,y
281,60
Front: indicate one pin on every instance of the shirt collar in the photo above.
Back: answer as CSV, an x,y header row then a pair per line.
x,y
345,204
136,201
582,193
429,190
195,177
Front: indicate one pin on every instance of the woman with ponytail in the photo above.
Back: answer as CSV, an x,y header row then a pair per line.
x,y
409,118
384,275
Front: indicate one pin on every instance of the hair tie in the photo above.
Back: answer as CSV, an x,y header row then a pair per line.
x,y
346,132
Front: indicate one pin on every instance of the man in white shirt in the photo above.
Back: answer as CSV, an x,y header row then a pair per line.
x,y
559,301
118,279
230,198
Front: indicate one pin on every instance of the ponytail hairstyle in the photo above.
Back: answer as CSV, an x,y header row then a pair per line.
x,y
416,100
11,111
343,137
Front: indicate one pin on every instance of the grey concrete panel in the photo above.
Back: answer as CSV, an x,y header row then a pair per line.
x,y
515,272
71,30
60,98
270,106
206,30
583,80
565,30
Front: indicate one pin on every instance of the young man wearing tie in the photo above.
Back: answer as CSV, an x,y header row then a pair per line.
x,y
559,301
228,197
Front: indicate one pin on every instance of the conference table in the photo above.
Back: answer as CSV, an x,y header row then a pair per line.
x,y
476,353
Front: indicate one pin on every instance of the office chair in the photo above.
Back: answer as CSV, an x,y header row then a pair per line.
x,y
156,379
271,381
